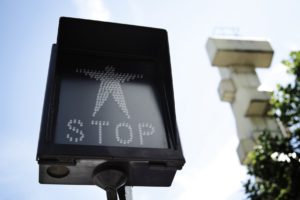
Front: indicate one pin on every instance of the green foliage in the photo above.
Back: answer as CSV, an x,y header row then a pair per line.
x,y
286,100
274,165
275,169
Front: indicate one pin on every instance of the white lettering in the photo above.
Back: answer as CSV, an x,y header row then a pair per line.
x,y
100,124
76,131
145,129
124,133
119,139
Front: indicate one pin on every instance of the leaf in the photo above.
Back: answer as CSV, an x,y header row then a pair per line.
x,y
278,179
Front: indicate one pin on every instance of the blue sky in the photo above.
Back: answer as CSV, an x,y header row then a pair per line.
x,y
207,126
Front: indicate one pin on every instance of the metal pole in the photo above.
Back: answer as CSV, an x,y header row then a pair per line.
x,y
111,193
125,193
113,182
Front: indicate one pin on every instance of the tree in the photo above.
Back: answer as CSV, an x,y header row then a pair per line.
x,y
274,163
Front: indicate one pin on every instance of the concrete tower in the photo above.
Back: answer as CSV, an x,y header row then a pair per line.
x,y
236,60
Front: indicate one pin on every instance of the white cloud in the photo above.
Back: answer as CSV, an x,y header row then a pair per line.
x,y
92,9
273,76
136,11
220,179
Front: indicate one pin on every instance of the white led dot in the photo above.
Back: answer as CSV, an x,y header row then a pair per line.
x,y
110,83
130,132
100,124
77,134
145,129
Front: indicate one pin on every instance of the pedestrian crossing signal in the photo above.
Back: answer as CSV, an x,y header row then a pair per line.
x,y
109,102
